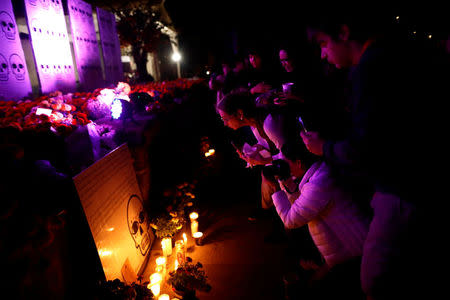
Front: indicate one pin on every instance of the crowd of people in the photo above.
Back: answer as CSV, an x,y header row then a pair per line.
x,y
346,148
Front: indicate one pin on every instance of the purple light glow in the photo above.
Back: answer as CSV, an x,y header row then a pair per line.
x,y
110,46
51,46
116,109
85,45
14,79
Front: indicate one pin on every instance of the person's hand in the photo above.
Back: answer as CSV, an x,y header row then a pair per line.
x,y
260,88
273,184
283,98
253,158
314,143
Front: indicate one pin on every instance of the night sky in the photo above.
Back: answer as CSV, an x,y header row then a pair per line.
x,y
210,31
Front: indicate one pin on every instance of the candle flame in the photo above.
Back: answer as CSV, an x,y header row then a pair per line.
x,y
210,152
193,216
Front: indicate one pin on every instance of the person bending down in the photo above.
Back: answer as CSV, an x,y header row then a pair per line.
x,y
337,226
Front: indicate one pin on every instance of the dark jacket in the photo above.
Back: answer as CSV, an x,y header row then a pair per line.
x,y
394,88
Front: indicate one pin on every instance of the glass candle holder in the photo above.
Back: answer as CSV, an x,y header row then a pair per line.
x,y
180,252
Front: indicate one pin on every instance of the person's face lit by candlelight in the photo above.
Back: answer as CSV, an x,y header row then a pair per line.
x,y
285,61
255,60
336,51
232,121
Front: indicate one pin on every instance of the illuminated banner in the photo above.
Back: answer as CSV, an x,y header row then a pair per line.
x,y
51,46
112,202
87,55
110,46
14,79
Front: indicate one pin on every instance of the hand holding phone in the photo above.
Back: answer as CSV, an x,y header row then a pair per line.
x,y
302,124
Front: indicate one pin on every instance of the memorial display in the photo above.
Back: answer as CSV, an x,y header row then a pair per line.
x,y
14,78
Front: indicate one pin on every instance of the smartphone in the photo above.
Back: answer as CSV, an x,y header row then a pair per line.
x,y
302,124
235,147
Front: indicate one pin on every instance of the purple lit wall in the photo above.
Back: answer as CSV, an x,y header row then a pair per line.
x,y
87,55
14,79
51,46
110,46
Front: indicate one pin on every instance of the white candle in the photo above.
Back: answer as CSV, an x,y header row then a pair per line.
x,y
198,238
194,227
193,216
155,283
161,265
166,244
194,223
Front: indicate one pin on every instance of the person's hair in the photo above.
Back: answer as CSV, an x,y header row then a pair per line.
x,y
295,150
239,99
363,24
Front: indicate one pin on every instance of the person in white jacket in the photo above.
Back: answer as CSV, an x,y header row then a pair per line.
x,y
336,223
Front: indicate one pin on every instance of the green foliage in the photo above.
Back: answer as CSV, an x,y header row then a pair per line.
x,y
166,227
189,277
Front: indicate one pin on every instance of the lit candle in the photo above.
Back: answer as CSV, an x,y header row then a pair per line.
x,y
161,265
179,252
185,238
194,223
166,244
198,236
164,297
155,283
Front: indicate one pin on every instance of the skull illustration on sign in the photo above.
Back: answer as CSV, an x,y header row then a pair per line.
x,y
138,224
17,66
4,69
8,26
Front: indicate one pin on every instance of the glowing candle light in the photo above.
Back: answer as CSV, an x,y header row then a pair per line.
x,y
198,236
155,283
194,223
185,238
210,152
161,265
164,297
166,244
180,256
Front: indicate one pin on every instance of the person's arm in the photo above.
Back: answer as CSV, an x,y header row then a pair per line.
x,y
311,202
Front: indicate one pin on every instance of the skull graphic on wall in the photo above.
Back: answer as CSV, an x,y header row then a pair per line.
x,y
56,4
36,29
46,72
45,3
138,224
8,26
4,69
17,66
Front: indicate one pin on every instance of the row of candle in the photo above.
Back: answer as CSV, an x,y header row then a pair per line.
x,y
180,256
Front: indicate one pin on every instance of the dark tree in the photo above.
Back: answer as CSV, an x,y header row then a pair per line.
x,y
139,25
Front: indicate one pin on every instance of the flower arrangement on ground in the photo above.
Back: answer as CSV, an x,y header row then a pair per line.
x,y
166,226
118,290
188,278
